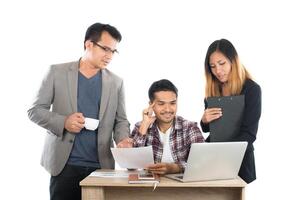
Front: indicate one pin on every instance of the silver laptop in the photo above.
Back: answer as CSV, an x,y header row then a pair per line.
x,y
212,161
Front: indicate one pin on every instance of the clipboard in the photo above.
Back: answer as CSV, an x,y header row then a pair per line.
x,y
228,126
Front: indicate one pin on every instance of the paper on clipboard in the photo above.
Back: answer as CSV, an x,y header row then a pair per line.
x,y
133,158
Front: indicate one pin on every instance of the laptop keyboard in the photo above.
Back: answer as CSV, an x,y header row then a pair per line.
x,y
180,177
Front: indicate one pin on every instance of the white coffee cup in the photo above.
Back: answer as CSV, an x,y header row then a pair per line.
x,y
91,124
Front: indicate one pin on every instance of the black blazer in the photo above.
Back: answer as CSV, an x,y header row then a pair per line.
x,y
248,129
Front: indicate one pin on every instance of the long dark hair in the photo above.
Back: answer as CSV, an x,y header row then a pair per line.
x,y
238,74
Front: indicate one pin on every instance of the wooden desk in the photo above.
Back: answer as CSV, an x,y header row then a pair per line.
x,y
118,188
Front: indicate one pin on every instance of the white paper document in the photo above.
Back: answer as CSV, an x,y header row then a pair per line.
x,y
133,158
113,174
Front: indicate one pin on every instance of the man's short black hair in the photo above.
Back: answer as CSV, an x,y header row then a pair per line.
x,y
95,31
161,85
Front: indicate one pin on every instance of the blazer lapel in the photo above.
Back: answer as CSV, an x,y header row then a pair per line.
x,y
73,82
106,84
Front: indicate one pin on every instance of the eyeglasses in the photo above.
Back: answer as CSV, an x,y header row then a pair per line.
x,y
106,49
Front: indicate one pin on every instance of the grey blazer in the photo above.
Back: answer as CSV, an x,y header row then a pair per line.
x,y
57,98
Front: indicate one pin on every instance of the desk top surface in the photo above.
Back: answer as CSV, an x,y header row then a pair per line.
x,y
164,182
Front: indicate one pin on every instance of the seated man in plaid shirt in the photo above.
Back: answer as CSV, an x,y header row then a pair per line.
x,y
171,136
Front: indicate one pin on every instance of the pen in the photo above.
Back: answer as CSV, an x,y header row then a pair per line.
x,y
154,186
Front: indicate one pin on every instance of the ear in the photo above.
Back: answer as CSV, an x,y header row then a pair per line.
x,y
88,44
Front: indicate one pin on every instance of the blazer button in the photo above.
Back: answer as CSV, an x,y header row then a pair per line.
x,y
71,141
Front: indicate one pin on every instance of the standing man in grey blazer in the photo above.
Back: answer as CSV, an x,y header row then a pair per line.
x,y
71,92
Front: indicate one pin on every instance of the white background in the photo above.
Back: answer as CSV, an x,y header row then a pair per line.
x,y
161,39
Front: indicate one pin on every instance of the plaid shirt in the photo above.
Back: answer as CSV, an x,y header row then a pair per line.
x,y
181,138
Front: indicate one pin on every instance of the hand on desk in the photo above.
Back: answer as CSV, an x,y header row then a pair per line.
x,y
164,168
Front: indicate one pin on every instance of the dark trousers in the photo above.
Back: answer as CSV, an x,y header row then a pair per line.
x,y
65,186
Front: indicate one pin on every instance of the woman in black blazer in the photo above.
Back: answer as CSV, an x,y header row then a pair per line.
x,y
226,76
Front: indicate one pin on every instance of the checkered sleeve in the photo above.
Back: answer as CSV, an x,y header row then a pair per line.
x,y
182,165
139,140
191,134
195,134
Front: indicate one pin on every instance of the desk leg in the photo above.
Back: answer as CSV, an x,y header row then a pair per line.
x,y
243,194
92,193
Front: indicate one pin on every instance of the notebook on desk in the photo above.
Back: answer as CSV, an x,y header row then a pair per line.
x,y
143,178
212,161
